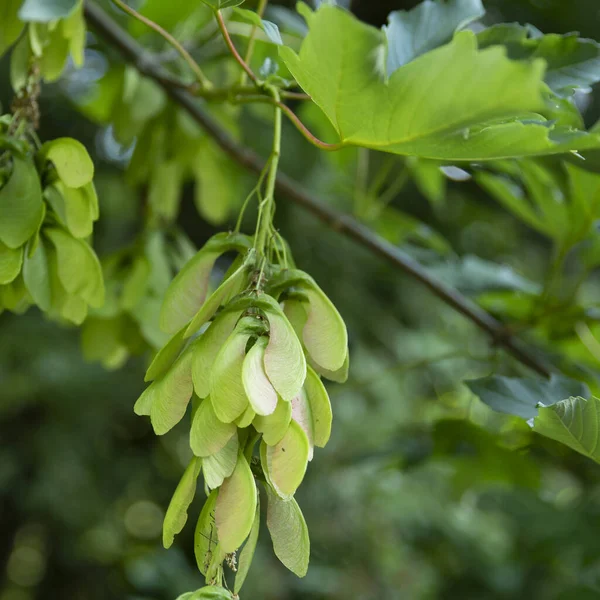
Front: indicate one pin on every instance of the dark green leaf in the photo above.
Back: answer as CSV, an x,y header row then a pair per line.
x,y
10,25
572,62
425,27
521,397
473,275
44,11
574,422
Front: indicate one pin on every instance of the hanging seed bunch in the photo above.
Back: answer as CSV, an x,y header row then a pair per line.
x,y
249,357
48,206
137,279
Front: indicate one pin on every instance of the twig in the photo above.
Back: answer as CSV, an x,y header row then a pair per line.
x,y
260,11
233,49
349,227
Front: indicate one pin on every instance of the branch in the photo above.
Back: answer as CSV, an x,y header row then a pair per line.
x,y
344,224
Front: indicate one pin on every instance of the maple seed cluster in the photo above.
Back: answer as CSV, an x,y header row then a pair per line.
x,y
48,206
249,357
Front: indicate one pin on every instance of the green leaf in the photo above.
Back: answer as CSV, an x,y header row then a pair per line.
x,y
221,465
275,426
44,11
73,207
473,275
284,360
177,513
320,407
71,160
512,197
10,25
36,274
166,356
208,435
285,463
211,592
20,59
51,48
79,270
229,287
221,4
247,553
11,260
226,387
101,340
206,348
172,394
217,183
271,30
572,62
187,292
574,422
258,388
417,110
236,506
429,178
65,305
399,228
427,26
289,533
164,189
135,285
205,535
521,397
20,204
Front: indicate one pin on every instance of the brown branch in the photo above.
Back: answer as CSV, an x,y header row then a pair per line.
x,y
344,224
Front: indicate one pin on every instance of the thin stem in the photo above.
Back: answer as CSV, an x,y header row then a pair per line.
x,y
194,66
233,49
300,126
391,192
382,175
260,11
255,191
313,139
265,223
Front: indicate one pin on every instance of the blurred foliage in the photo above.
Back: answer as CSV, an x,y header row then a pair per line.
x,y
423,492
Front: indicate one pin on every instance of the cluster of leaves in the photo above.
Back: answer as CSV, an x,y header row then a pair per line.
x,y
244,355
48,205
137,278
54,32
